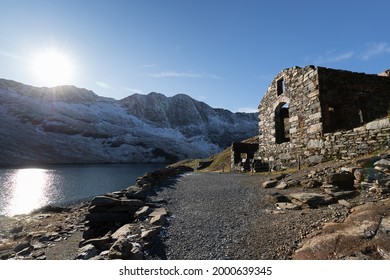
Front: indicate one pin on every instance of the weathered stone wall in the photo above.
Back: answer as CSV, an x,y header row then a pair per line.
x,y
349,99
327,110
350,143
301,93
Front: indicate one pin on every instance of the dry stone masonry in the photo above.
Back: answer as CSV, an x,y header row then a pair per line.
x,y
313,114
122,224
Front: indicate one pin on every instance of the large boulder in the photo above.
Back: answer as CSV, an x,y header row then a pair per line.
x,y
105,201
270,184
363,234
123,249
311,199
369,175
125,231
343,179
382,165
87,252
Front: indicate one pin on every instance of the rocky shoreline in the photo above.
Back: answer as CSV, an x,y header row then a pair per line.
x,y
117,225
354,195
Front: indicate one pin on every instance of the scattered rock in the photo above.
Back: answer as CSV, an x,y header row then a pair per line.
x,y
125,231
49,236
108,217
22,246
270,184
287,206
382,238
343,179
121,249
136,192
39,255
132,202
105,201
383,165
282,185
339,194
368,175
143,212
39,245
277,197
101,244
158,212
158,220
367,227
87,252
311,199
150,233
24,252
16,229
345,203
6,254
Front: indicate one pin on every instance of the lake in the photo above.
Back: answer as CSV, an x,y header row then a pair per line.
x,y
24,189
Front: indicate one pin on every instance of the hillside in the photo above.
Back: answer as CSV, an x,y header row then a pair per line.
x,y
71,125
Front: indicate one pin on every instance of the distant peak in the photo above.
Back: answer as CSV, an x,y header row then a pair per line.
x,y
153,93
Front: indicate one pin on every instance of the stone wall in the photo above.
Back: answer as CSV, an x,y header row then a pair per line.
x,y
350,143
310,114
349,99
301,95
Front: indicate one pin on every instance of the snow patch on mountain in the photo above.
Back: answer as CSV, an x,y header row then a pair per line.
x,y
71,125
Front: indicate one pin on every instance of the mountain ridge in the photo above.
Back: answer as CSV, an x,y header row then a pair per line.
x,y
67,124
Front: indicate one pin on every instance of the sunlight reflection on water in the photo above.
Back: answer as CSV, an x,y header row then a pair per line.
x,y
28,189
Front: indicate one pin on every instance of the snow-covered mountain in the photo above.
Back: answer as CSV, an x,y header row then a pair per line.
x,y
71,125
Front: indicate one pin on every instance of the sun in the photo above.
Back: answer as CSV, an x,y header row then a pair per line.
x,y
52,68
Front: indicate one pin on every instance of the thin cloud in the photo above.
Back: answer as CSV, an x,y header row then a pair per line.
x,y
175,74
332,57
375,49
247,110
103,85
134,90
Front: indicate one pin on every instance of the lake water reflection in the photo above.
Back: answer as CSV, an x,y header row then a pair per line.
x,y
25,189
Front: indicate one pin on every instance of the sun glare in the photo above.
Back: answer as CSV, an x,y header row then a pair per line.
x,y
52,68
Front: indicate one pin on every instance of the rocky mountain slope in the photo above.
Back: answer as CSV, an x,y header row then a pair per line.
x,y
72,125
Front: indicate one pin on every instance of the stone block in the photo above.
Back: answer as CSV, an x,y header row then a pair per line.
x,y
158,220
315,144
125,231
105,201
315,116
378,124
343,179
158,212
314,128
96,218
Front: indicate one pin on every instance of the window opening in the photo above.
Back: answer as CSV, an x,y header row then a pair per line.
x,y
280,86
282,123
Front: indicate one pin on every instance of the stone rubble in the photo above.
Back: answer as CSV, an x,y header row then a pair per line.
x,y
122,224
364,232
28,236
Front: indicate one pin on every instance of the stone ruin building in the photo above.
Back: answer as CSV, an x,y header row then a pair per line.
x,y
312,114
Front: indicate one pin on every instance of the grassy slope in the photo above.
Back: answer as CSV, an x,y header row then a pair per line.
x,y
219,161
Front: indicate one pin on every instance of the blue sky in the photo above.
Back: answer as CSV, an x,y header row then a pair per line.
x,y
224,53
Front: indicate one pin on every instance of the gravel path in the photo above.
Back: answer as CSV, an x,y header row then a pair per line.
x,y
227,216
